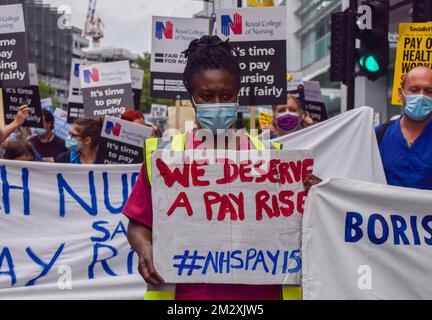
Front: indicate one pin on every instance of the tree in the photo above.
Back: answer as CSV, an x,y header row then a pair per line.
x,y
146,101
46,91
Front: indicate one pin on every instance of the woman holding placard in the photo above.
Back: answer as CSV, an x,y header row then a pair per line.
x,y
212,78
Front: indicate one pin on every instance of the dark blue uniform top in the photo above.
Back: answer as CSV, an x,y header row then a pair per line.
x,y
406,166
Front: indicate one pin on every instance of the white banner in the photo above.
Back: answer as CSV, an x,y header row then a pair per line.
x,y
234,221
62,235
366,241
344,146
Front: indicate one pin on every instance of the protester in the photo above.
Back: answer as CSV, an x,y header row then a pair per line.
x,y
289,117
20,118
212,78
82,142
405,143
19,150
137,117
46,143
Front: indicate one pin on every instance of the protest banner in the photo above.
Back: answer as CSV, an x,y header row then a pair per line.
x,y
414,49
366,241
14,98
122,142
259,36
137,76
75,100
61,127
106,89
314,101
47,104
159,111
170,37
14,71
344,146
61,232
232,220
159,116
309,95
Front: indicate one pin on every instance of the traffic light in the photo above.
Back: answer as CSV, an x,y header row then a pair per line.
x,y
422,10
373,55
338,49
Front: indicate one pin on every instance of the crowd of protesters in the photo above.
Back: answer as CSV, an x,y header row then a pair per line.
x,y
212,78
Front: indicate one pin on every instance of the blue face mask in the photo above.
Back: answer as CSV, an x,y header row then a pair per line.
x,y
71,143
39,131
216,116
418,106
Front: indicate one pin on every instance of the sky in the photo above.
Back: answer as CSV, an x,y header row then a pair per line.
x,y
128,22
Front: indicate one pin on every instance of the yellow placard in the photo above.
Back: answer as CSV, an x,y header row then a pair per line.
x,y
414,49
260,3
264,119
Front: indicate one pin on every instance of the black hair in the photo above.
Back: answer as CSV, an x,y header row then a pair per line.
x,y
19,148
90,128
207,53
48,117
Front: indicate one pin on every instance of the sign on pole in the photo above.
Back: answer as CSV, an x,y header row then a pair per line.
x,y
309,95
170,37
236,220
61,126
122,142
106,89
75,100
14,70
137,76
16,97
414,49
259,36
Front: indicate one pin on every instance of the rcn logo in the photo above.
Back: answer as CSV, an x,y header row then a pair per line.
x,y
113,129
91,76
236,26
164,30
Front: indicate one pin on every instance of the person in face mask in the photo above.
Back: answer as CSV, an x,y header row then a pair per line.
x,y
405,144
212,78
82,142
290,117
45,142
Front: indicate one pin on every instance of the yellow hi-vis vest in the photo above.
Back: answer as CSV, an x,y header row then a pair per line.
x,y
178,143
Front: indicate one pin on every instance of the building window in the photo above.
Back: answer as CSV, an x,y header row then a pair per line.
x,y
316,41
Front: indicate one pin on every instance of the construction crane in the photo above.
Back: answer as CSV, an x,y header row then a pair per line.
x,y
93,25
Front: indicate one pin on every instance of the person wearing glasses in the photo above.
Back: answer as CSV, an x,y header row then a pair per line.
x,y
82,142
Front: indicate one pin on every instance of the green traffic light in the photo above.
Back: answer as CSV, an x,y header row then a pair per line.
x,y
361,62
369,63
372,64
